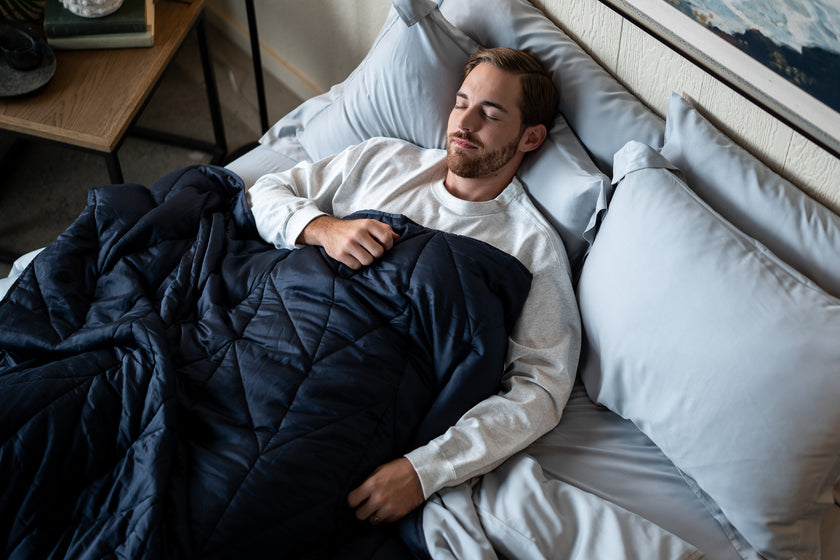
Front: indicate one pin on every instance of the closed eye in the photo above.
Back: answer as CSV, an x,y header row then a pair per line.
x,y
491,111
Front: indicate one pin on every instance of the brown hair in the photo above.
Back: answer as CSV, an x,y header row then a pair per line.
x,y
538,103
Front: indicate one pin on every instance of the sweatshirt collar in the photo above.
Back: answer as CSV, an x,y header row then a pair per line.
x,y
470,208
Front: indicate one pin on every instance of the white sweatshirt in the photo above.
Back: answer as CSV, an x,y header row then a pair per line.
x,y
397,177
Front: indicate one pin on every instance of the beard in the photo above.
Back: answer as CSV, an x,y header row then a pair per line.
x,y
481,164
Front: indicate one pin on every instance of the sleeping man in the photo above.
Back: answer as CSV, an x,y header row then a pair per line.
x,y
502,111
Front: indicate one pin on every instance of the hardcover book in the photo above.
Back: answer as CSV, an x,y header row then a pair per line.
x,y
109,39
61,22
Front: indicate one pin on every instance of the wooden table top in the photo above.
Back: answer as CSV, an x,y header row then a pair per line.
x,y
95,94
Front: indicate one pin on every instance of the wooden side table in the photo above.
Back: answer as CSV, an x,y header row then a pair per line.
x,y
96,95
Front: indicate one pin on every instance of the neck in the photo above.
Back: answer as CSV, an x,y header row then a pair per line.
x,y
477,189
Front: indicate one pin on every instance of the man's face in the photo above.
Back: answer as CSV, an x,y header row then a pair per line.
x,y
485,126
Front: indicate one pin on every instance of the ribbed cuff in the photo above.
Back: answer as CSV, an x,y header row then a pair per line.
x,y
298,222
432,467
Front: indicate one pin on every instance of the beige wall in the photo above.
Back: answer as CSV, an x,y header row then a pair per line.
x,y
307,44
311,44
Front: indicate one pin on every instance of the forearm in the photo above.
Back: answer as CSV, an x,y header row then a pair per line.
x,y
542,359
316,231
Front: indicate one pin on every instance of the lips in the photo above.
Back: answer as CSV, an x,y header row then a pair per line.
x,y
462,142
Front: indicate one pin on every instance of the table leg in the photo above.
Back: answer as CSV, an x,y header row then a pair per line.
x,y
256,59
114,169
210,85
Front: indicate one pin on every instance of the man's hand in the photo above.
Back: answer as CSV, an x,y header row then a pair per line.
x,y
355,243
389,494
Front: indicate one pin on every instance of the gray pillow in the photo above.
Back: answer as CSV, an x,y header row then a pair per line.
x,y
567,188
753,197
404,87
720,352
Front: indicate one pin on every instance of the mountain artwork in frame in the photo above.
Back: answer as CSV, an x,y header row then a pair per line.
x,y
783,54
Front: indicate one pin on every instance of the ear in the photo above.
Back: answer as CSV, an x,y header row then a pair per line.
x,y
532,138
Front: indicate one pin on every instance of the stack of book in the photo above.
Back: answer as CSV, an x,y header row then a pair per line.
x,y
132,25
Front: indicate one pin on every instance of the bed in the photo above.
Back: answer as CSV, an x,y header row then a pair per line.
x,y
703,421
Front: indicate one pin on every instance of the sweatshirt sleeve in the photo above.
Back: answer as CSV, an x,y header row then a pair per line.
x,y
542,359
284,203
354,179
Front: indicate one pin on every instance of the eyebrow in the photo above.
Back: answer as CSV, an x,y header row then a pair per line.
x,y
484,103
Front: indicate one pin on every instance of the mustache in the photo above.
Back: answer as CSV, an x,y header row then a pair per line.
x,y
467,137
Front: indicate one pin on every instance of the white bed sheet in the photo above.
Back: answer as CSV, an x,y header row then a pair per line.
x,y
17,268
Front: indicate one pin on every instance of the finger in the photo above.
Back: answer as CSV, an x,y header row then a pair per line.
x,y
372,248
349,260
385,236
355,498
367,509
359,499
343,253
365,256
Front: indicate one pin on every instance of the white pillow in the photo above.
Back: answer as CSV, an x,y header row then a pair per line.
x,y
720,352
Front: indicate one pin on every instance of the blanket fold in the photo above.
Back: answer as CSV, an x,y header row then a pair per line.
x,y
173,387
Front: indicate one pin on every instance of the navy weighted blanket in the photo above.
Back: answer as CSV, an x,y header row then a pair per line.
x,y
171,386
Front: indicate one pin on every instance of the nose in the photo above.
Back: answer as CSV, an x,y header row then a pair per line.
x,y
469,121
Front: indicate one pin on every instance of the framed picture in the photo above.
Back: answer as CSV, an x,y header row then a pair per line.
x,y
782,54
